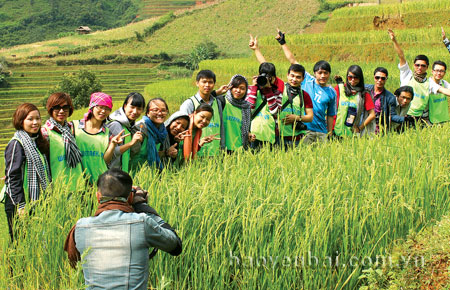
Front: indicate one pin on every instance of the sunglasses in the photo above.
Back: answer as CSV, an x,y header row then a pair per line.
x,y
58,108
380,78
352,77
420,65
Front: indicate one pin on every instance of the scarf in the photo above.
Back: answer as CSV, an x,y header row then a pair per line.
x,y
155,136
246,112
420,77
246,116
70,245
37,175
349,89
293,91
71,150
190,146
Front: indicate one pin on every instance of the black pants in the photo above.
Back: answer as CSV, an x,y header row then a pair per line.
x,y
10,210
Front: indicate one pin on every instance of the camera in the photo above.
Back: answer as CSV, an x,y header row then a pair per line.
x,y
262,79
299,126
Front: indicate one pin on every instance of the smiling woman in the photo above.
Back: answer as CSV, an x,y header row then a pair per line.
x,y
26,164
93,138
64,156
154,134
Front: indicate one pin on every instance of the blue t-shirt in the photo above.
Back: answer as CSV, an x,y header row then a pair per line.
x,y
324,103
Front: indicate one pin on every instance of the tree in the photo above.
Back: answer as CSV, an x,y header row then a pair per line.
x,y
205,50
79,86
4,72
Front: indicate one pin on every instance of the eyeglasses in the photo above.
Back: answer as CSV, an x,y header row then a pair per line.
x,y
420,65
58,108
157,111
439,71
380,78
102,108
352,77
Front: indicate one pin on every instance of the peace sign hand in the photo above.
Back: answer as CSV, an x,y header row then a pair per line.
x,y
208,139
180,136
253,43
119,137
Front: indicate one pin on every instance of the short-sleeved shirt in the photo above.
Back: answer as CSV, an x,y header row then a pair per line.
x,y
323,100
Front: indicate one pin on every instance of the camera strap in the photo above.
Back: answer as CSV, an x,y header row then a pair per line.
x,y
260,107
290,100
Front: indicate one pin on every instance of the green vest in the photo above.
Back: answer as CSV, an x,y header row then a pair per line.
x,y
58,164
126,155
25,172
263,125
125,158
140,158
421,97
213,148
232,122
438,108
297,108
92,147
340,129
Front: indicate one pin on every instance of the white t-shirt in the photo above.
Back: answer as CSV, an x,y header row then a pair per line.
x,y
406,75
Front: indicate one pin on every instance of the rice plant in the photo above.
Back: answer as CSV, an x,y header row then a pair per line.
x,y
310,218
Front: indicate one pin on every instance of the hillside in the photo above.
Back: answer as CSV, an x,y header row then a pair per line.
x,y
26,21
226,23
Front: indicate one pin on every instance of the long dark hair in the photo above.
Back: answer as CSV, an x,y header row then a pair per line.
x,y
357,71
20,115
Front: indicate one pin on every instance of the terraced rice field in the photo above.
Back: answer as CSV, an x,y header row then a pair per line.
x,y
30,84
155,8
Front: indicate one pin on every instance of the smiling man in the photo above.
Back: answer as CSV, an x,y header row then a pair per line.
x,y
205,82
323,96
383,99
417,80
438,103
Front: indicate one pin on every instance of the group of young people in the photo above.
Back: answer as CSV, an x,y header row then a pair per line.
x,y
236,116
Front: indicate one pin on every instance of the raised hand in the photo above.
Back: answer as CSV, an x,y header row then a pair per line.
x,y
280,37
222,90
391,34
208,139
443,33
180,136
338,79
253,43
137,137
119,137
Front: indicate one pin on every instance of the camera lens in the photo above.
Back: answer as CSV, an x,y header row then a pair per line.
x,y
261,80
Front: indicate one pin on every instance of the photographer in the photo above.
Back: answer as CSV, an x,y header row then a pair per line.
x,y
297,108
117,239
265,100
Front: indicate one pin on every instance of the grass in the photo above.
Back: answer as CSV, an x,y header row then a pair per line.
x,y
226,16
421,262
408,6
408,15
355,199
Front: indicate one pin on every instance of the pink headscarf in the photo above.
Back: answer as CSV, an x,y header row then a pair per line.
x,y
99,99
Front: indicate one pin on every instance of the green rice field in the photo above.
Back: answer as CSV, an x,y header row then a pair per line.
x,y
314,217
